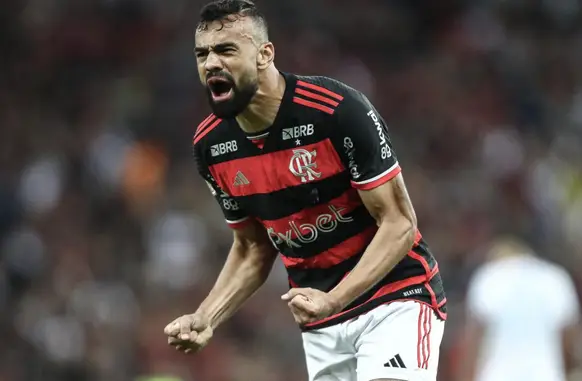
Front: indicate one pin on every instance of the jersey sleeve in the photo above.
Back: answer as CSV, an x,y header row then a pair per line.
x,y
234,215
361,139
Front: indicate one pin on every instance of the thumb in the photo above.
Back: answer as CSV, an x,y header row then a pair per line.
x,y
293,293
172,329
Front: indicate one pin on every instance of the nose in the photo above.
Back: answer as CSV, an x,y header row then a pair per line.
x,y
213,62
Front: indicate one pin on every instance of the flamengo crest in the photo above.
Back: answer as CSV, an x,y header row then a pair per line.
x,y
303,165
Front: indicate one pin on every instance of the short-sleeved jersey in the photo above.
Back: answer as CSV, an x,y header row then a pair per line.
x,y
326,143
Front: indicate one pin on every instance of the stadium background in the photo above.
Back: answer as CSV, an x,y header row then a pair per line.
x,y
107,233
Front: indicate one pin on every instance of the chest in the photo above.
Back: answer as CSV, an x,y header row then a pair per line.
x,y
289,173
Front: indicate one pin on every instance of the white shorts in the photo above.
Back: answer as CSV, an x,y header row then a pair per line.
x,y
398,341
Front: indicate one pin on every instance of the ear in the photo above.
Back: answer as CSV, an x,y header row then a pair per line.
x,y
265,56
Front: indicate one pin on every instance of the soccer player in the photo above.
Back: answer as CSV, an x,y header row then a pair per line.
x,y
303,166
523,318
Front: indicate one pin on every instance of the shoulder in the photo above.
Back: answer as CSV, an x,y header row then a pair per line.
x,y
326,85
326,94
206,132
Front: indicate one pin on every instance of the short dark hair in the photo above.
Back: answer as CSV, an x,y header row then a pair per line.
x,y
231,10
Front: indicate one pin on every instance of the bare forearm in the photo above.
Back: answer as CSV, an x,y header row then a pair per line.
x,y
245,270
390,244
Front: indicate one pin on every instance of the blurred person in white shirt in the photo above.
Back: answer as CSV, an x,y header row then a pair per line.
x,y
522,319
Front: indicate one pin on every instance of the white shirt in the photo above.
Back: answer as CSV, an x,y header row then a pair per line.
x,y
524,303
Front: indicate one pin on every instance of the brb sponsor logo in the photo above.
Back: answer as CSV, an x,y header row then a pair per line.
x,y
222,148
299,234
297,132
350,153
303,165
385,149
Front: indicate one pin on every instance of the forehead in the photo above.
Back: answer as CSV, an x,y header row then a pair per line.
x,y
240,31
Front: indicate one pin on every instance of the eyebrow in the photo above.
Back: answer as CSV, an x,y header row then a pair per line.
x,y
217,47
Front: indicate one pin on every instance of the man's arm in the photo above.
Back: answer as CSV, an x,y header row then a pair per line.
x,y
390,205
360,137
247,267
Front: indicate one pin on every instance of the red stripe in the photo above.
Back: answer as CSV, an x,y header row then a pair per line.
x,y
376,183
442,303
314,105
206,131
428,338
293,284
205,122
336,254
318,97
419,341
202,125
320,89
429,275
384,290
425,330
260,142
434,271
422,261
417,238
257,170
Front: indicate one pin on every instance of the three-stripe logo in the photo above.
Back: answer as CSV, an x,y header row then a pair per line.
x,y
395,362
317,97
240,179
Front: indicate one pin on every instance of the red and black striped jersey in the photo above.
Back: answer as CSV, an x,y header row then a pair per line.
x,y
300,179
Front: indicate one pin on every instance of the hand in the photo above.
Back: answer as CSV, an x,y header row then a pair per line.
x,y
189,333
309,305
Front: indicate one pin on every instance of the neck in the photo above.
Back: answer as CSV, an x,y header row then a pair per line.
x,y
261,112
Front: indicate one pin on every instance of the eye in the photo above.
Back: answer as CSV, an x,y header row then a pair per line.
x,y
201,54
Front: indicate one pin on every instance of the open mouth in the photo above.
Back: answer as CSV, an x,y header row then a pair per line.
x,y
220,88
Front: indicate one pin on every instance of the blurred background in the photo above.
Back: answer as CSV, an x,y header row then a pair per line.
x,y
107,232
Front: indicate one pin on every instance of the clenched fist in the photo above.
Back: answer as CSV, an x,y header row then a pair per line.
x,y
309,305
189,333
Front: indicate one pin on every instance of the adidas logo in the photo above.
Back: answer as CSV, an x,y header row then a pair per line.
x,y
395,362
240,179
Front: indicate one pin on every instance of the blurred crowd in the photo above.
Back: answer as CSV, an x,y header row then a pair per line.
x,y
107,233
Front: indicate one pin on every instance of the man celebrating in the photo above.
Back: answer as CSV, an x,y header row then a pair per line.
x,y
304,167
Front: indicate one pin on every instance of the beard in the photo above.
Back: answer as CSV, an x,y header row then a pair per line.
x,y
235,97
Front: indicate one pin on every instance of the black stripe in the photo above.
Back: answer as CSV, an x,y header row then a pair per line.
x,y
326,279
399,360
393,363
285,202
424,251
323,279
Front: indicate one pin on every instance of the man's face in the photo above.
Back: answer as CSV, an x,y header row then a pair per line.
x,y
226,55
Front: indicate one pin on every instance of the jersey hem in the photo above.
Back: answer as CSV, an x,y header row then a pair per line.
x,y
238,223
382,178
370,305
